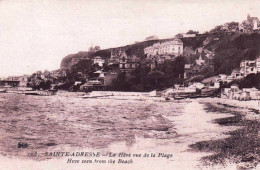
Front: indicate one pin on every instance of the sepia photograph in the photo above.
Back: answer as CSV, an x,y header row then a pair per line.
x,y
129,84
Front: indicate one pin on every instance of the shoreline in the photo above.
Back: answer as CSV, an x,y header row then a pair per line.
x,y
242,146
194,124
250,104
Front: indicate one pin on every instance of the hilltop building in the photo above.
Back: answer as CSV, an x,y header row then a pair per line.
x,y
252,23
174,47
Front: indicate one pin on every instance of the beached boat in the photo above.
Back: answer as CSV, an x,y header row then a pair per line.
x,y
35,93
2,90
179,97
41,93
194,96
90,96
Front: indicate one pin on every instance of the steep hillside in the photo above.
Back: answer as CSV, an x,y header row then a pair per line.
x,y
231,50
133,49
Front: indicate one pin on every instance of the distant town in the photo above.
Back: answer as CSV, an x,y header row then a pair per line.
x,y
212,60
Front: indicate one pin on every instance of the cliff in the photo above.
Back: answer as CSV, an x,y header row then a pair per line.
x,y
72,59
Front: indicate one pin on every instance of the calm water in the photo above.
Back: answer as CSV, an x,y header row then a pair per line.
x,y
67,121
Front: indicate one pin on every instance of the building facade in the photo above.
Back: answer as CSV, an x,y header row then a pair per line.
x,y
128,63
174,47
251,24
99,61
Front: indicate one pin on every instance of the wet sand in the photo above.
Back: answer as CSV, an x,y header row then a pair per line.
x,y
242,147
169,127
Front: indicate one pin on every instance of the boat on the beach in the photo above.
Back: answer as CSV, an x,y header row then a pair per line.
x,y
2,90
89,96
179,97
194,96
41,93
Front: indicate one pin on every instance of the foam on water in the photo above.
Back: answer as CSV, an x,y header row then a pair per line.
x,y
53,122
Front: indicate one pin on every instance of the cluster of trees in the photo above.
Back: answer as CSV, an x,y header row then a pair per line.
x,y
230,26
43,84
94,49
231,52
192,32
144,79
251,80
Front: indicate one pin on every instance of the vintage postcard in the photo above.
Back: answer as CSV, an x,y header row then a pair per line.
x,y
129,84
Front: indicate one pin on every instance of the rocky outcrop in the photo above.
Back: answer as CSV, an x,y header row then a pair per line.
x,y
73,59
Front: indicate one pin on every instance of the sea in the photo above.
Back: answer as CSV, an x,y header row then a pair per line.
x,y
67,121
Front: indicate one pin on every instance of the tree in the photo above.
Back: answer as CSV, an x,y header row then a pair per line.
x,y
156,75
192,32
97,48
121,83
179,35
94,49
153,37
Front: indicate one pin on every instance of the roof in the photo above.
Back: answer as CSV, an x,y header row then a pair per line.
x,y
235,85
210,80
236,70
99,71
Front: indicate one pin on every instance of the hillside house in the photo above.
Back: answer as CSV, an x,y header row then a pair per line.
x,y
174,47
115,56
211,82
248,67
127,62
200,61
191,70
99,61
236,74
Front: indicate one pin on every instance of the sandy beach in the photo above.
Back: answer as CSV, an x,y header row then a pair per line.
x,y
186,123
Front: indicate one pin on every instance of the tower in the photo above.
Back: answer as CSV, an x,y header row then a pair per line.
x,y
248,17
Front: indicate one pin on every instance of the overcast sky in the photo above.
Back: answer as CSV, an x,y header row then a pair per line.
x,y
37,34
